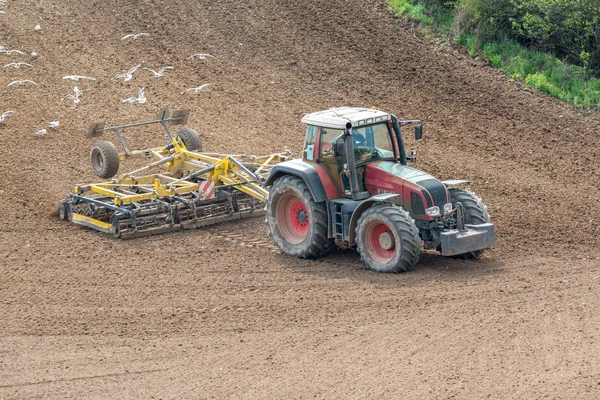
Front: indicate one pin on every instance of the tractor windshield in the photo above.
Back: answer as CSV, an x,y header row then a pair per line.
x,y
373,142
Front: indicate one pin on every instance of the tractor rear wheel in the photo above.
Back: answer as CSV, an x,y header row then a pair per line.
x,y
475,213
191,139
388,239
104,158
297,224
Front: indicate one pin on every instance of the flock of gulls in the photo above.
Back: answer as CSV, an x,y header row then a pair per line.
x,y
77,92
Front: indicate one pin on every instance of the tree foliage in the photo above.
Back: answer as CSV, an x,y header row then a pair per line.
x,y
568,28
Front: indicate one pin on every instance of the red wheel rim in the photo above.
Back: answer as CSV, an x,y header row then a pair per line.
x,y
292,219
381,242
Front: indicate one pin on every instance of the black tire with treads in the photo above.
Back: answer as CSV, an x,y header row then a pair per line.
x,y
475,213
315,243
191,139
104,158
406,241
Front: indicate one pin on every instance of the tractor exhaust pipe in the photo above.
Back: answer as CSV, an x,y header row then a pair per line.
x,y
349,142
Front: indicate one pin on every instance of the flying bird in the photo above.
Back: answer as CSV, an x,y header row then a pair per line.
x,y
201,56
4,115
197,89
21,82
9,52
75,96
78,77
17,65
53,124
160,72
140,99
41,132
129,74
134,35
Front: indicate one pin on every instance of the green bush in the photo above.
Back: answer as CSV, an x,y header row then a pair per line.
x,y
569,29
501,31
409,9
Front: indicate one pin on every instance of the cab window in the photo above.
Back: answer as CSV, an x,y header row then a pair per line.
x,y
373,142
328,138
309,142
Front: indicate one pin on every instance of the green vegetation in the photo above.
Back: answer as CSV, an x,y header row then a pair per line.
x,y
527,39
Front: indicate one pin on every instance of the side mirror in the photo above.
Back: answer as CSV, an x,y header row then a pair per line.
x,y
413,156
418,132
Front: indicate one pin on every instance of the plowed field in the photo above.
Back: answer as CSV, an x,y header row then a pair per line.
x,y
218,312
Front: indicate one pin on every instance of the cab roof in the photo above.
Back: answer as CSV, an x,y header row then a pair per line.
x,y
337,117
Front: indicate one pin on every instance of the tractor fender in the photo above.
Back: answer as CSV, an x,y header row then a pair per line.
x,y
455,182
304,171
364,206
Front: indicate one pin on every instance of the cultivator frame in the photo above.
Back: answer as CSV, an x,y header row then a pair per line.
x,y
194,190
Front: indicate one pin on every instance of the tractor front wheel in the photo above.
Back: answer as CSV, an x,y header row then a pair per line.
x,y
297,224
387,239
475,213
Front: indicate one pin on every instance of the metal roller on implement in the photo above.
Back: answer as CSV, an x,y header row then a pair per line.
x,y
193,189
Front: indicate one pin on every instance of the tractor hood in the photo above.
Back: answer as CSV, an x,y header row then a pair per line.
x,y
417,189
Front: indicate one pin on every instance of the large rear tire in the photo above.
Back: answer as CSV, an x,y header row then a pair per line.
x,y
104,158
297,224
388,239
475,214
191,139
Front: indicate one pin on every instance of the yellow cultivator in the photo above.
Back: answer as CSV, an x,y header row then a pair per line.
x,y
194,189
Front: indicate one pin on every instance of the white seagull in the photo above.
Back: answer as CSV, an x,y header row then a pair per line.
x,y
17,65
134,35
41,132
21,82
9,52
78,77
197,89
4,115
75,96
201,56
129,74
160,72
53,124
140,99
2,12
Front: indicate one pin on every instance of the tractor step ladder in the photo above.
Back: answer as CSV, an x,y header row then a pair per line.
x,y
338,222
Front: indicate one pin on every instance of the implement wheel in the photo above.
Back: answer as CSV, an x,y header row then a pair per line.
x,y
387,239
475,213
191,139
297,224
104,159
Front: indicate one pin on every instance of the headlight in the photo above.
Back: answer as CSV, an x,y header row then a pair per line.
x,y
447,208
433,211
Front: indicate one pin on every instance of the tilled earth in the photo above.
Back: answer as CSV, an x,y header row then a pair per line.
x,y
218,312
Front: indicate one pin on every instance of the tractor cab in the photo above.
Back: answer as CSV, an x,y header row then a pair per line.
x,y
367,135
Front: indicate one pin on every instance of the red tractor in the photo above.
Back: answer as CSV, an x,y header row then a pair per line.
x,y
353,187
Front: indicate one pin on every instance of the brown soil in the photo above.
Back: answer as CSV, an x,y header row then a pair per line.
x,y
218,312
